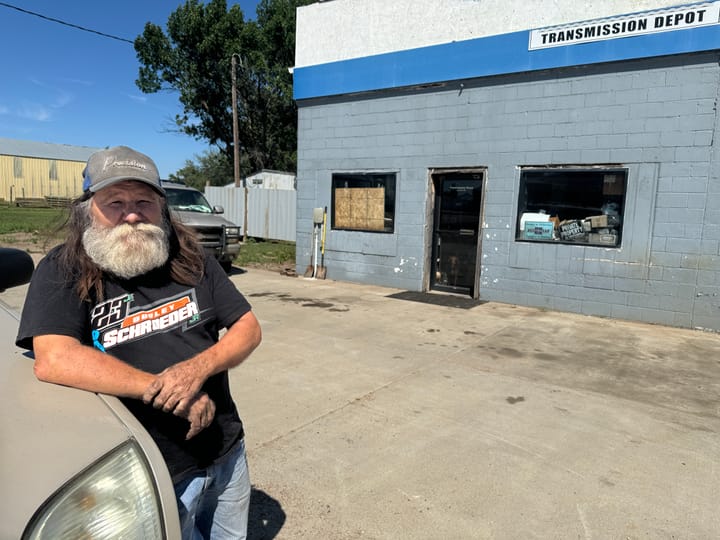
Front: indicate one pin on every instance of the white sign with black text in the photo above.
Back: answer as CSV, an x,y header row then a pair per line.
x,y
648,22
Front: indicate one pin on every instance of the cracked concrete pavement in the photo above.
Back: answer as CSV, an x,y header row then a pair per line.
x,y
378,418
373,417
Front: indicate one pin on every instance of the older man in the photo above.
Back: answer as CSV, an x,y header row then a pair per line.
x,y
130,305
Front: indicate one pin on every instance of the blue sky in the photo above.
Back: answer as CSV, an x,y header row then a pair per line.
x,y
63,85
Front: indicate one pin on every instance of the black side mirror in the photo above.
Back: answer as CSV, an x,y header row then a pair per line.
x,y
16,268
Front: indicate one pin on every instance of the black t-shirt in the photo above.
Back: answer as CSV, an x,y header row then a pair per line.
x,y
151,323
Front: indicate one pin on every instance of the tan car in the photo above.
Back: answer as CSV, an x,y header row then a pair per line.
x,y
73,464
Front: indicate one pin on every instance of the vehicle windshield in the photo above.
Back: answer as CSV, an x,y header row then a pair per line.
x,y
187,200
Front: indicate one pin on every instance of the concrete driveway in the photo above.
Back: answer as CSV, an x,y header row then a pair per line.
x,y
374,417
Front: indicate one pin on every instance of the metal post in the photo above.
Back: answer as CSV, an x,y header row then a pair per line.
x,y
236,149
245,220
236,143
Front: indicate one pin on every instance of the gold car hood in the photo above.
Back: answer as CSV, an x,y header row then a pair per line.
x,y
48,433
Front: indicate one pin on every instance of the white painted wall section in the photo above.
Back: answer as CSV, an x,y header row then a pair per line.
x,y
343,29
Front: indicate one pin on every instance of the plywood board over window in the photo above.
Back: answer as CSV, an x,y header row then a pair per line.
x,y
360,208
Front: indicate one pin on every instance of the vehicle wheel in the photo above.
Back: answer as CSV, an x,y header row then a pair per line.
x,y
227,266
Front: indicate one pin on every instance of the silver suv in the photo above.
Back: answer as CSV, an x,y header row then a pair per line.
x,y
73,464
216,234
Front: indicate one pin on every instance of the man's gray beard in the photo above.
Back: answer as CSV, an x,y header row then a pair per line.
x,y
127,250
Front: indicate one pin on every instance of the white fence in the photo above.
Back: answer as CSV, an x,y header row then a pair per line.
x,y
271,212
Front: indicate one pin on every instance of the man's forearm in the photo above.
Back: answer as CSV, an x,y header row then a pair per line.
x,y
241,339
179,383
64,360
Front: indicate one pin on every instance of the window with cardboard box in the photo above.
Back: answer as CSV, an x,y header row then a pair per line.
x,y
572,205
363,202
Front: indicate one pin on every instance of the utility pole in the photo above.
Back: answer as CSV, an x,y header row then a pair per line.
x,y
236,142
236,149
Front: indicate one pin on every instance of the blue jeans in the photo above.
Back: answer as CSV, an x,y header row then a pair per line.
x,y
214,505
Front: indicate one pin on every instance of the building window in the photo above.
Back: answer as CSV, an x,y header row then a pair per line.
x,y
363,202
572,205
53,170
17,167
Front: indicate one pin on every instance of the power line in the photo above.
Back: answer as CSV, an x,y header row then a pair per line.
x,y
65,23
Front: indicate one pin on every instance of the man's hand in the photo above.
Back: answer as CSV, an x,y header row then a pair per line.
x,y
174,388
200,413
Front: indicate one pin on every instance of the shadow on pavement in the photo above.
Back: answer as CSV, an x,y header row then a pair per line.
x,y
448,300
236,270
266,516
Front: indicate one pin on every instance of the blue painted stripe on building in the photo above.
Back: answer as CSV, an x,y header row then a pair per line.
x,y
487,56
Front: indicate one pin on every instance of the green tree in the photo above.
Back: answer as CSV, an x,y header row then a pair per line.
x,y
194,59
213,168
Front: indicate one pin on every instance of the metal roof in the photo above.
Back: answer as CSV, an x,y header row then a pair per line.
x,y
43,150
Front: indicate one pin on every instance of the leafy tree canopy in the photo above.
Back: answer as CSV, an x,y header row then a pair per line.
x,y
194,59
213,168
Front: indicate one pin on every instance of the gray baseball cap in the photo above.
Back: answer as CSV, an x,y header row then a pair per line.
x,y
107,167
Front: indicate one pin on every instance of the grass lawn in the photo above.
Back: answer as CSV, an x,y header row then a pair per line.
x,y
28,228
266,252
30,220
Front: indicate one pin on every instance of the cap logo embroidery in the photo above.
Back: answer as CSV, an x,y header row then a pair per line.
x,y
131,163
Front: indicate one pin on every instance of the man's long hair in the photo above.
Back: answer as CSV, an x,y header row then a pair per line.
x,y
185,262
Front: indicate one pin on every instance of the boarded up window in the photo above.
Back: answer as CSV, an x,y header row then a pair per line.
x,y
360,208
17,167
53,170
364,202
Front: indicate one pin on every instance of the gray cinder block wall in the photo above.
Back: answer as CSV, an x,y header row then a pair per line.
x,y
657,117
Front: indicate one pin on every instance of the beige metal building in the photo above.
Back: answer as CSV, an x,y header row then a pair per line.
x,y
37,170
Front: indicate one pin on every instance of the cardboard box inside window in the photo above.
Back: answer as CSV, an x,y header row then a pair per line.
x,y
602,239
603,221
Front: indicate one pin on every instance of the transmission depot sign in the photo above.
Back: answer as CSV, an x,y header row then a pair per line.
x,y
649,22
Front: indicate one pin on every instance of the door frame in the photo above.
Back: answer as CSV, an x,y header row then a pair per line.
x,y
430,224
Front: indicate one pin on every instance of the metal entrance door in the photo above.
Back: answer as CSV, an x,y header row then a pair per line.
x,y
458,203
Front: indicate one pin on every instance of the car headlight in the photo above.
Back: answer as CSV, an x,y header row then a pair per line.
x,y
232,231
114,498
